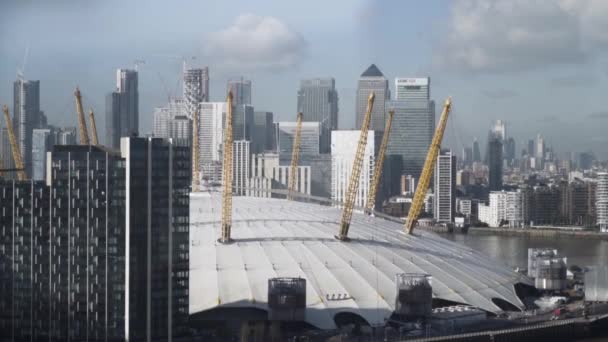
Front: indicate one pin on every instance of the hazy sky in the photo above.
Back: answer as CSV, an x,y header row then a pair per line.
x,y
540,65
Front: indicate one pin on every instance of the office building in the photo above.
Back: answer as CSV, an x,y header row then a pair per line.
x,y
172,122
467,156
241,91
196,89
602,201
445,187
543,205
372,80
499,129
268,175
408,184
211,135
318,102
65,136
26,117
42,142
531,149
495,163
343,147
262,132
122,108
24,261
411,135
309,139
509,149
241,167
540,147
476,151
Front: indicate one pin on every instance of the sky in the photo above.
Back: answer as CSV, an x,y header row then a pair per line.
x,y
540,65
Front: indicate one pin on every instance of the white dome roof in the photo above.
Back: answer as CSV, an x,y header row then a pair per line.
x,y
280,238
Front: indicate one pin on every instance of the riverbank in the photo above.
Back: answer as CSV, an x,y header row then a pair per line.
x,y
540,232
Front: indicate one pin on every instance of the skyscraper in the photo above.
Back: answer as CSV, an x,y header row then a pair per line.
x,y
309,139
171,122
122,108
445,186
6,155
211,135
26,117
509,149
241,91
372,80
531,150
318,101
262,135
602,201
241,168
540,147
42,142
494,162
196,89
343,148
499,129
476,151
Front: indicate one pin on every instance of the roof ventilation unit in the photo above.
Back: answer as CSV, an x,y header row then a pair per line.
x,y
286,299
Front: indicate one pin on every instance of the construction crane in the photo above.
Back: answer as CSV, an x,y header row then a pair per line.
x,y
353,183
295,157
14,146
195,154
427,170
93,127
371,196
82,124
227,175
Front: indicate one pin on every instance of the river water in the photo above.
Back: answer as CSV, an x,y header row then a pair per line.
x,y
513,250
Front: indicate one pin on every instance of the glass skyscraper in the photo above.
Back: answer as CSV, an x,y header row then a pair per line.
x,y
318,101
372,80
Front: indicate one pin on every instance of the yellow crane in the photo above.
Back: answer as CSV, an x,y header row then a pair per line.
x,y
295,157
427,170
227,175
353,183
14,146
371,196
195,154
82,124
93,128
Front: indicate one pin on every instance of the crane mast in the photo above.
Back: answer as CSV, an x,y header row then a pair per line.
x,y
14,146
195,155
353,183
227,175
427,170
295,157
93,127
371,196
82,124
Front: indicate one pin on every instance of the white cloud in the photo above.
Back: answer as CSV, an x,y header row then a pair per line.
x,y
499,36
254,42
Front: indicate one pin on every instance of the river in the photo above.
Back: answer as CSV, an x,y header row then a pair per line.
x,y
513,250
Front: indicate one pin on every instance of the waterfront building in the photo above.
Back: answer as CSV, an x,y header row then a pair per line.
x,y
602,201
343,149
318,102
505,207
372,80
543,205
445,187
122,108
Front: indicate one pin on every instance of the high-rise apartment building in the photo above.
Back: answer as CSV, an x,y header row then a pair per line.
x,y
318,101
172,122
122,108
372,80
211,135
241,167
495,162
602,201
445,187
26,117
343,149
196,89
309,139
267,174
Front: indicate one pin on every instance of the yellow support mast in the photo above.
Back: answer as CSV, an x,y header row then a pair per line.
x,y
14,146
295,157
82,124
93,127
195,155
427,170
227,175
353,183
371,196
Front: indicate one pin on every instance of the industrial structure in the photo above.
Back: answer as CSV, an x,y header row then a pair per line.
x,y
427,171
295,156
95,139
227,174
17,158
82,124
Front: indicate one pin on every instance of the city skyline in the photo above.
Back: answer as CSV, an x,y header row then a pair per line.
x,y
546,99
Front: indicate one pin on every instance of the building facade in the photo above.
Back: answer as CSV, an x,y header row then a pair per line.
x,y
211,135
602,201
122,108
42,142
372,80
196,89
445,187
310,139
495,162
241,154
318,102
26,117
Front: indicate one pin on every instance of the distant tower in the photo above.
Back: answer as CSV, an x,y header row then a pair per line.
x,y
26,116
196,89
495,162
372,80
122,108
476,151
445,186
318,101
499,129
540,146
243,110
